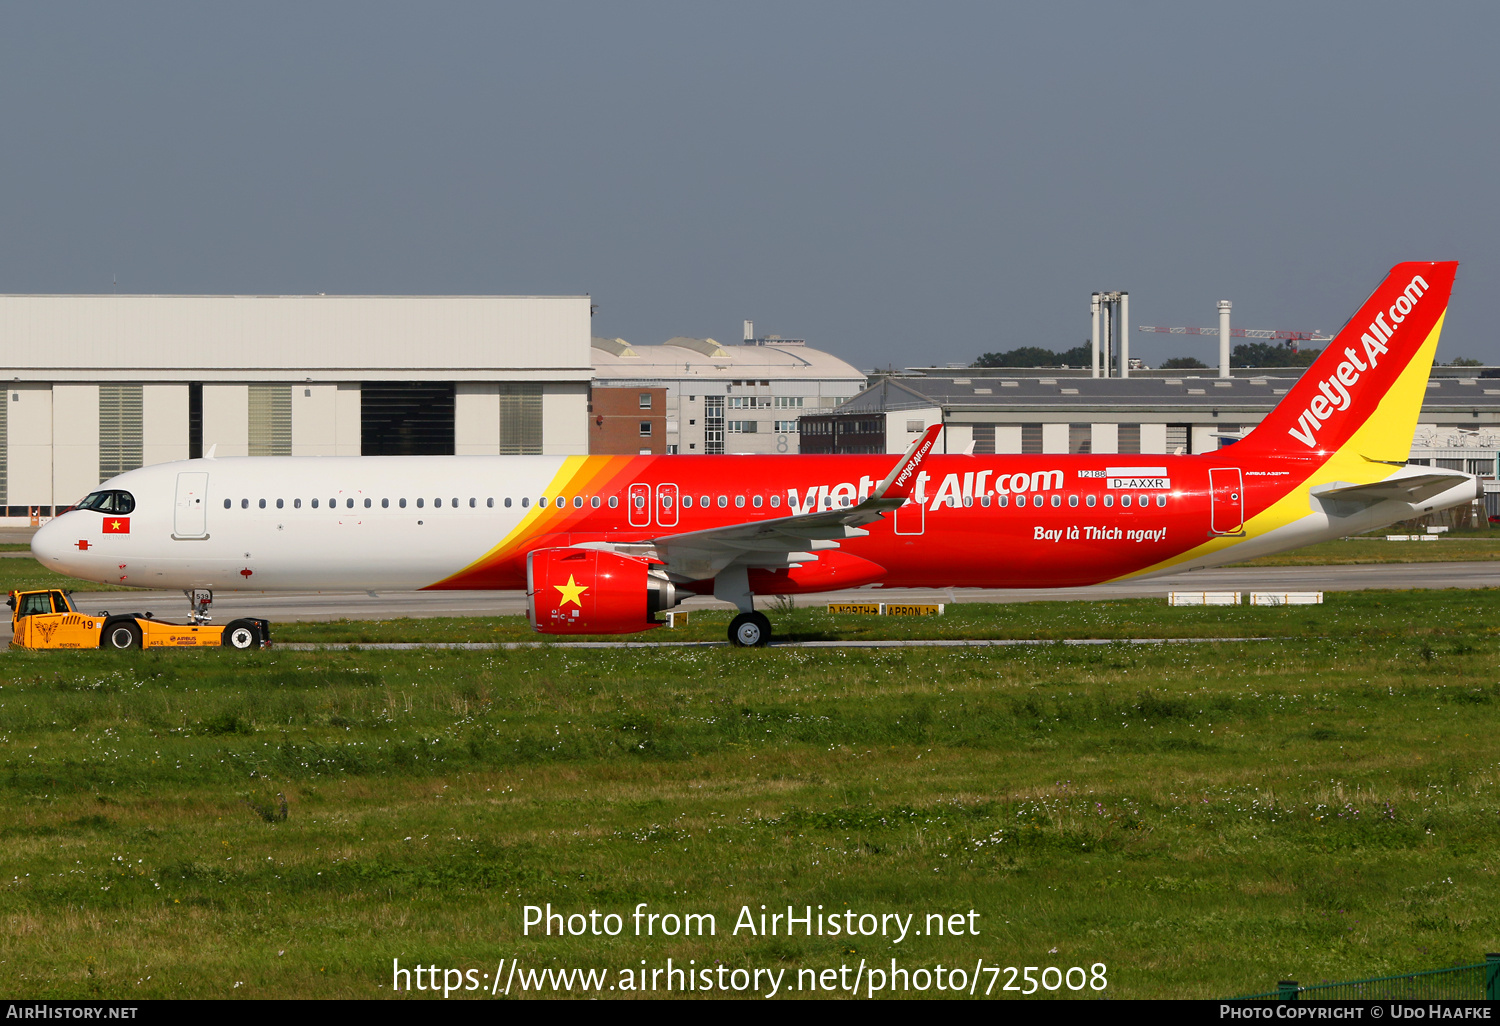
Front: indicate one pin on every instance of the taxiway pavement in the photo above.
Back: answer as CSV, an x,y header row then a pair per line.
x,y
286,607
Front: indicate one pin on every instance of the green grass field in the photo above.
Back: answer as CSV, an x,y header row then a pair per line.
x,y
1203,819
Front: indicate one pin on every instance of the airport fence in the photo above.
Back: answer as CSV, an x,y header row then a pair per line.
x,y
1477,982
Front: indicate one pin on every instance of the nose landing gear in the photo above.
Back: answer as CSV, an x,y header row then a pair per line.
x,y
200,599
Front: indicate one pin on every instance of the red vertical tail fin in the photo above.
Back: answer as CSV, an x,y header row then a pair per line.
x,y
1371,379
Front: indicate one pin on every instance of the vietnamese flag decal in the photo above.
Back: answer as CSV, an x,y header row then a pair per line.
x,y
116,525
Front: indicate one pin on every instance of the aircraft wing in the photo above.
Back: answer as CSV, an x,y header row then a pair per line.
x,y
787,541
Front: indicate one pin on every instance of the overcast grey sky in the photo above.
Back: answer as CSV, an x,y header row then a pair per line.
x,y
897,183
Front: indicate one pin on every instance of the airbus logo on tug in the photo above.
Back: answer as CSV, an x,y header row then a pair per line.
x,y
1334,390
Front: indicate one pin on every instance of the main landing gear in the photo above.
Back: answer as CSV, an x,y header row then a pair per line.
x,y
750,630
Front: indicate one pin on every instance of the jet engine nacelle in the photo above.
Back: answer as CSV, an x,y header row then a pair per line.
x,y
590,591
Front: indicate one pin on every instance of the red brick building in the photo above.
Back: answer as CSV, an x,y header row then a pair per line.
x,y
628,421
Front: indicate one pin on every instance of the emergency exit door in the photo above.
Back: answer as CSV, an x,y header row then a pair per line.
x,y
190,517
639,512
911,517
1226,488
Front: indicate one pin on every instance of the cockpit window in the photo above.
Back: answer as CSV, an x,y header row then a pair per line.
x,y
109,502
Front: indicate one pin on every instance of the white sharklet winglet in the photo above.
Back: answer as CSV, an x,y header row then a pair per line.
x,y
697,555
897,484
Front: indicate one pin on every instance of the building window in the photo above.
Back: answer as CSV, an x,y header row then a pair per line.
x,y
1080,438
645,429
1177,438
1130,439
119,429
4,422
713,425
408,418
270,420
786,427
984,439
195,421
645,400
744,427
520,418
789,402
1031,439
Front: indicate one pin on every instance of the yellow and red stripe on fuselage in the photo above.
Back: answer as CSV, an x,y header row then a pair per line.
x,y
948,536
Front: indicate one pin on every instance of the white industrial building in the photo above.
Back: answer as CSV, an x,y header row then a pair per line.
x,y
103,384
744,398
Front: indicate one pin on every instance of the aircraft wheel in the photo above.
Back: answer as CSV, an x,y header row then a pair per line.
x,y
241,634
123,635
750,630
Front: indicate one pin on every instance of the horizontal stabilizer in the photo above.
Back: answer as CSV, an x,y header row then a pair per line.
x,y
1413,488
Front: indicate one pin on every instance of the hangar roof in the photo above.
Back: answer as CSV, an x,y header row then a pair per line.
x,y
103,337
964,393
703,357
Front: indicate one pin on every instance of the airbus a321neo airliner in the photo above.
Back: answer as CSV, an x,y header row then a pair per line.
x,y
604,543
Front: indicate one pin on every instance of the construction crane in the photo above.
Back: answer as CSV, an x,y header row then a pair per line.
x,y
1293,336
1225,333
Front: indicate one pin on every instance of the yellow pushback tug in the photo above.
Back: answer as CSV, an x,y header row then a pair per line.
x,y
48,619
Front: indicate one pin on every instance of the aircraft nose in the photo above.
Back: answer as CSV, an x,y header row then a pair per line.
x,y
49,544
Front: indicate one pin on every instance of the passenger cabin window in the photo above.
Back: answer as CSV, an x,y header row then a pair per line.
x,y
315,504
775,501
419,503
614,500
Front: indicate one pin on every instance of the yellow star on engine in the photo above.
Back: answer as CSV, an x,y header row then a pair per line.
x,y
571,592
